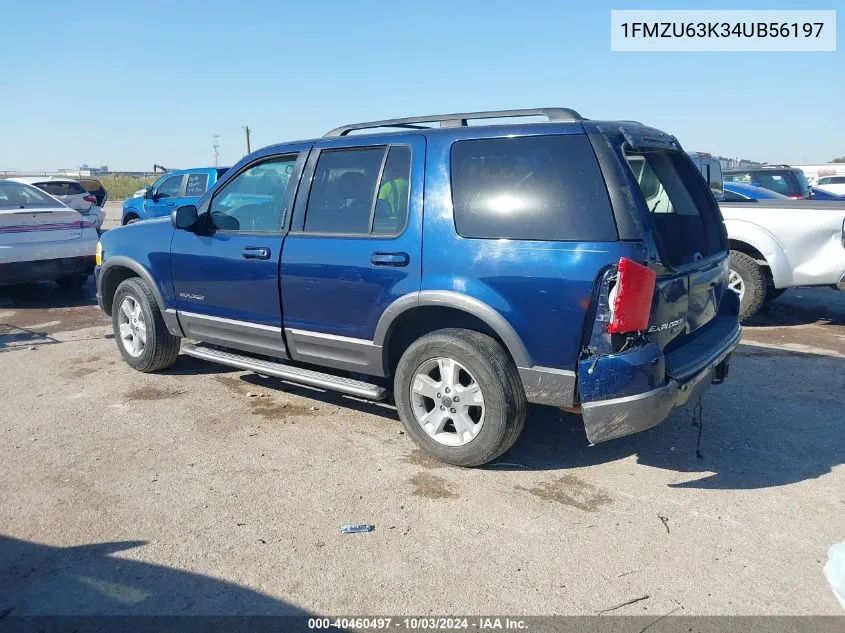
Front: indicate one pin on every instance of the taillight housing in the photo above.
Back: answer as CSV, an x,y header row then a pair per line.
x,y
630,299
90,199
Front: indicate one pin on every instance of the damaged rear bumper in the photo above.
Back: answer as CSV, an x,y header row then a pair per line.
x,y
616,417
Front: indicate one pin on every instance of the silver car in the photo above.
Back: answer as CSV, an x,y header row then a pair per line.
x,y
70,193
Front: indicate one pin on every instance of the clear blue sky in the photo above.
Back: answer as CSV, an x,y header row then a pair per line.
x,y
130,83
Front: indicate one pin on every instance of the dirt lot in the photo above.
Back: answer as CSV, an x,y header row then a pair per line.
x,y
204,490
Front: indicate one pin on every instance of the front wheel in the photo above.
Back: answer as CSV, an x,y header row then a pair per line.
x,y
747,280
460,397
139,329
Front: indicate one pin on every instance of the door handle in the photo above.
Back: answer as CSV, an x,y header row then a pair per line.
x,y
170,204
255,252
390,259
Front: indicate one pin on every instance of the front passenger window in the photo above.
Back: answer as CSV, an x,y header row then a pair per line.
x,y
254,199
170,188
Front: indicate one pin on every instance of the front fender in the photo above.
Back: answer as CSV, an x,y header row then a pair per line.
x,y
768,245
135,206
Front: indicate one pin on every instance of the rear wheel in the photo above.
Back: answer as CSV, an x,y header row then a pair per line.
x,y
747,280
139,329
459,396
74,282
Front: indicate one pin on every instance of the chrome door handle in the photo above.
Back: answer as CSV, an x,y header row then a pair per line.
x,y
390,259
255,252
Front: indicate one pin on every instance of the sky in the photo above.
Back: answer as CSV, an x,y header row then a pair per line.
x,y
128,84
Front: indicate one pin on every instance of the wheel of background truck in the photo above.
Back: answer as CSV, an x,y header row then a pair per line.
x,y
74,282
459,396
773,293
748,281
132,219
139,329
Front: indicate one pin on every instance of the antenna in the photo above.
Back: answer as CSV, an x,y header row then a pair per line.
x,y
215,145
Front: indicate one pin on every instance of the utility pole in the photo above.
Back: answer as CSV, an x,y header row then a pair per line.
x,y
247,131
215,145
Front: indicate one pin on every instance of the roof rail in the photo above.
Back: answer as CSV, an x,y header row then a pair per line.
x,y
459,119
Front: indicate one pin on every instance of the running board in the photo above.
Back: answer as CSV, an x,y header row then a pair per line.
x,y
288,372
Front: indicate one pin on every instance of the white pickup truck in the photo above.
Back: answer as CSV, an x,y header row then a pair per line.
x,y
778,244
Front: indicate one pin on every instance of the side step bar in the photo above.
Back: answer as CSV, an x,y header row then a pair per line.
x,y
288,372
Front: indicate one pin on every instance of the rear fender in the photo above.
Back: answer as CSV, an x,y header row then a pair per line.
x,y
768,245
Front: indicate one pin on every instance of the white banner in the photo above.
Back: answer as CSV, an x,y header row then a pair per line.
x,y
723,30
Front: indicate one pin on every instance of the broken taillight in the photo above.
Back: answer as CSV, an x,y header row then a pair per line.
x,y
630,298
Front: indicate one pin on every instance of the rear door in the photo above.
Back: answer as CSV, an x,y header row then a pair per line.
x,y
690,237
354,246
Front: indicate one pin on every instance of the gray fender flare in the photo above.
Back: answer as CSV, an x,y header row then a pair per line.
x,y
465,303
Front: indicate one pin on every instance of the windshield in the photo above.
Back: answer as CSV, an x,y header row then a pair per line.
x,y
14,195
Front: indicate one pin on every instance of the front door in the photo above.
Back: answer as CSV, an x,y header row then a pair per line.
x,y
165,197
354,247
226,272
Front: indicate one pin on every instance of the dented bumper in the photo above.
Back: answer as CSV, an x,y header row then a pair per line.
x,y
616,417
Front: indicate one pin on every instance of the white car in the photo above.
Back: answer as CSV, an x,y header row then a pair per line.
x,y
71,193
41,239
832,184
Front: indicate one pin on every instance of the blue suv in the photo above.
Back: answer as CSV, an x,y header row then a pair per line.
x,y
463,270
173,189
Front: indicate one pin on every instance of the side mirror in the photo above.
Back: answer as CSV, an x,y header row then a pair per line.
x,y
184,217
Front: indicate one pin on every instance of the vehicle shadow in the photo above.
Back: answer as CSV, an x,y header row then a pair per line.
x,y
802,306
13,337
47,295
42,579
754,435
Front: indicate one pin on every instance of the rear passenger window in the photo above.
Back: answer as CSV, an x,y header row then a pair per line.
x,y
343,191
197,184
530,188
392,204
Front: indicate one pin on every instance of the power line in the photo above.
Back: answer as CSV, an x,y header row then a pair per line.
x,y
247,131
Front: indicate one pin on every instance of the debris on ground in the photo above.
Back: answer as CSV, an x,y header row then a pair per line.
x,y
625,604
665,521
357,528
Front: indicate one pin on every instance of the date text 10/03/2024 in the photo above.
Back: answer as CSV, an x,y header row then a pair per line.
x,y
419,624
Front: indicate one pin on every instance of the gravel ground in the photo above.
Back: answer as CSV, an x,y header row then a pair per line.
x,y
202,490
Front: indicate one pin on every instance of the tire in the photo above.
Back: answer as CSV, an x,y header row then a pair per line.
x,y
753,283
132,219
483,362
160,348
74,282
773,293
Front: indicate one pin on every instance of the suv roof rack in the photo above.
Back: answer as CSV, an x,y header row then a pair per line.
x,y
459,119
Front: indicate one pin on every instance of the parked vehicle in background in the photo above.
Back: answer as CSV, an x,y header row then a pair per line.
x,y
741,192
70,193
174,188
783,179
469,269
96,189
711,169
780,243
832,184
41,239
821,194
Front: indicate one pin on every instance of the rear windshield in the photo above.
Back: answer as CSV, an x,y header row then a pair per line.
x,y
530,188
681,211
61,188
14,195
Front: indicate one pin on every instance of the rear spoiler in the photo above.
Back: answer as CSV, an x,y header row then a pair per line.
x,y
640,137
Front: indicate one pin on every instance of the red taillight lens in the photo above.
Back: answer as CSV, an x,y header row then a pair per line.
x,y
85,224
631,301
90,199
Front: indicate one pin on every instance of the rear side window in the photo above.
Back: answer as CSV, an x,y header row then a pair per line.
x,y
197,184
343,191
545,188
61,188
